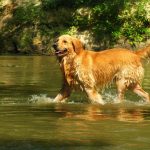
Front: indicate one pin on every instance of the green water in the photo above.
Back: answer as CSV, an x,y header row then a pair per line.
x,y
28,122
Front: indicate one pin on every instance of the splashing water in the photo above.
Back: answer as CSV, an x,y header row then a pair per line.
x,y
109,98
40,99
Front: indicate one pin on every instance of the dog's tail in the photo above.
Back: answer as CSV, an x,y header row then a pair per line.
x,y
144,53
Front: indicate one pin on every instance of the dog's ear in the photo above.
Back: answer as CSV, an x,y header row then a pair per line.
x,y
77,45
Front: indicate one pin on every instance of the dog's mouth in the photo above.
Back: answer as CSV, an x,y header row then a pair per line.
x,y
61,52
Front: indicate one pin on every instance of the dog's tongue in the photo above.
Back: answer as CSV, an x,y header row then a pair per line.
x,y
57,52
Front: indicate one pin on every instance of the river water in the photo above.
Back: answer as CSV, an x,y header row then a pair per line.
x,y
29,122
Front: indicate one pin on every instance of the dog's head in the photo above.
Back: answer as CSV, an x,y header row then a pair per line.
x,y
67,45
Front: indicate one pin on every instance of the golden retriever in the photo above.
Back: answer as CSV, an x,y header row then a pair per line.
x,y
92,71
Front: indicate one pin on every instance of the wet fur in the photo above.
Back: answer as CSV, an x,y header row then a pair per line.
x,y
91,71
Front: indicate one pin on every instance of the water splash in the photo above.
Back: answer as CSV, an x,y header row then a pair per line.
x,y
40,99
109,98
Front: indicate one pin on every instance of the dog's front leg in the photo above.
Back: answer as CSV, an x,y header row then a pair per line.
x,y
94,96
63,94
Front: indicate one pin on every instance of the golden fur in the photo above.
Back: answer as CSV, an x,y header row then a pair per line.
x,y
91,71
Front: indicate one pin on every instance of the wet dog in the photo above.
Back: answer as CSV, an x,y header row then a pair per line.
x,y
91,71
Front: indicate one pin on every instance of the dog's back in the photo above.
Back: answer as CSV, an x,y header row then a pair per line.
x,y
114,64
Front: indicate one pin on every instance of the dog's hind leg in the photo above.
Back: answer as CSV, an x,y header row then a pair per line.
x,y
121,88
139,91
94,96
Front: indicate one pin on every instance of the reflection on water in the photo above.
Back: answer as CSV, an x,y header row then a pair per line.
x,y
94,113
74,126
28,121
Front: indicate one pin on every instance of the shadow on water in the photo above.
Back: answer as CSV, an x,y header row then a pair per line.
x,y
33,144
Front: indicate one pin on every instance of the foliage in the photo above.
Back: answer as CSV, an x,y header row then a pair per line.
x,y
116,19
106,20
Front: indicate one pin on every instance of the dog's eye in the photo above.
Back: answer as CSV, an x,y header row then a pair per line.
x,y
65,41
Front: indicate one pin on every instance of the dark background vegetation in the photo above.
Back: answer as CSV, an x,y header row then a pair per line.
x,y
30,26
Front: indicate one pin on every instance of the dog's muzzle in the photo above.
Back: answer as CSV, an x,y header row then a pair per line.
x,y
59,52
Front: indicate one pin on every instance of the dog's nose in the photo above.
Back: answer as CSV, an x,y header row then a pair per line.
x,y
55,46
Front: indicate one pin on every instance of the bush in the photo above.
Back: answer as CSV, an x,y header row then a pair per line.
x,y
115,19
108,21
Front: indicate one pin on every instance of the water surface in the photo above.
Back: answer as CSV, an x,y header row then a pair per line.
x,y
28,122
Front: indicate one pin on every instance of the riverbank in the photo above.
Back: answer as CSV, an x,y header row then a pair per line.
x,y
30,27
